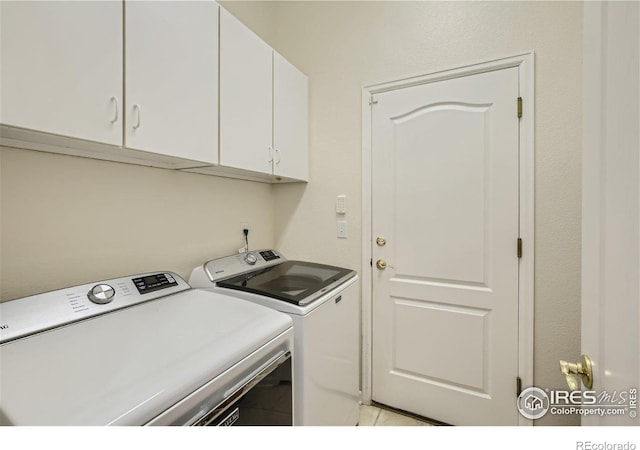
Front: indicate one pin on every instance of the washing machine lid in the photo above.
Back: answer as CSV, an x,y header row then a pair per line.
x,y
296,282
128,366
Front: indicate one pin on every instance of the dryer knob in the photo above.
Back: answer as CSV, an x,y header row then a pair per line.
x,y
101,294
250,259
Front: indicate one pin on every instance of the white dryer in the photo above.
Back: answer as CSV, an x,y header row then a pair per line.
x,y
323,302
143,350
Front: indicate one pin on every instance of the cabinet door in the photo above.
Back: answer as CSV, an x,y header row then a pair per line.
x,y
172,78
245,97
290,120
61,68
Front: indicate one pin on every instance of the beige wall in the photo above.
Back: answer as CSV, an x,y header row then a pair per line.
x,y
67,220
343,46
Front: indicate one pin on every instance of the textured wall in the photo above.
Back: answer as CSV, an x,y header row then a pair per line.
x,y
68,220
343,46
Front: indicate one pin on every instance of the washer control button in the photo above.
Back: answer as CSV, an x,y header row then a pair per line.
x,y
101,294
250,259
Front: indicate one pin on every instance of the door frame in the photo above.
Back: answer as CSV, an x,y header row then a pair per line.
x,y
525,63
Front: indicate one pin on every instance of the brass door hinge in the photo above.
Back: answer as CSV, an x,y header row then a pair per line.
x,y
519,107
518,386
519,248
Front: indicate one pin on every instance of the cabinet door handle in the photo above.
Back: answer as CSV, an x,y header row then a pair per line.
x,y
270,155
136,108
278,160
114,100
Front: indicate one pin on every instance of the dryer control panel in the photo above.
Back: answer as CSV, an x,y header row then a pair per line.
x,y
29,315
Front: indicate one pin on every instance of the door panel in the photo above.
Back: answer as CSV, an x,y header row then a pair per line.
x,y
445,198
456,166
417,321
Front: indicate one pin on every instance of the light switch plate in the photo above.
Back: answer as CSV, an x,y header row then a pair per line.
x,y
341,204
342,229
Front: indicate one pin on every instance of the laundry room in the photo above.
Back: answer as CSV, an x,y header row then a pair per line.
x,y
287,133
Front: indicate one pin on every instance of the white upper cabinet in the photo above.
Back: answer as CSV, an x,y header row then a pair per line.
x,y
172,78
177,84
290,120
246,100
263,106
61,68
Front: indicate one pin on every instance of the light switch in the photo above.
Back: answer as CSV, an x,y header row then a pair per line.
x,y
342,228
341,204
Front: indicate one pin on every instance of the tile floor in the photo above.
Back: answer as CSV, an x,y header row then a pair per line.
x,y
372,416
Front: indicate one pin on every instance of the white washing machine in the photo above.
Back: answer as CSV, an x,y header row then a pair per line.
x,y
143,350
323,302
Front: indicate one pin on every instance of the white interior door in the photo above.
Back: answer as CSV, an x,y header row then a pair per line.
x,y
611,202
445,200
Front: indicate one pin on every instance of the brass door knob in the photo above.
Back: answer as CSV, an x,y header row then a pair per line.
x,y
582,369
381,241
382,264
